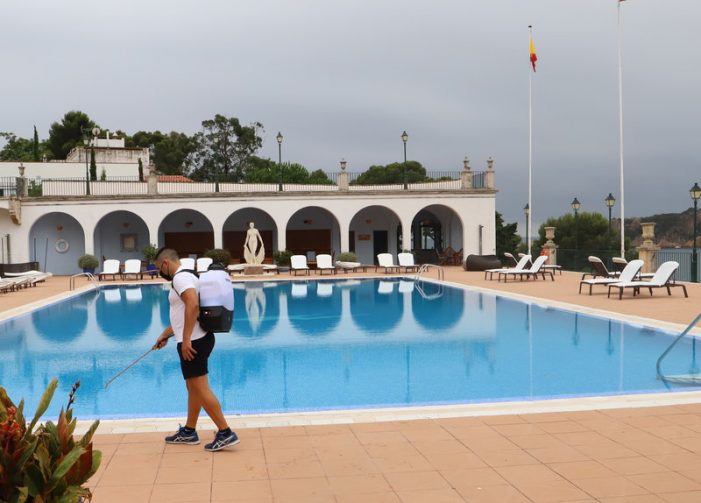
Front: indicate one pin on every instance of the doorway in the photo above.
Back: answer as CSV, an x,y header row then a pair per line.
x,y
379,243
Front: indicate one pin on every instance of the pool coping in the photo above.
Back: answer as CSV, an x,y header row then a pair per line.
x,y
350,416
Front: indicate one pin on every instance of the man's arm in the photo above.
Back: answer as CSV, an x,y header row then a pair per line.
x,y
192,311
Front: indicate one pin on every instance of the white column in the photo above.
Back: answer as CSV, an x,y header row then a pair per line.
x,y
281,224
406,232
344,228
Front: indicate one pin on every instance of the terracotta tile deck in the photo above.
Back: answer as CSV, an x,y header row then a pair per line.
x,y
636,455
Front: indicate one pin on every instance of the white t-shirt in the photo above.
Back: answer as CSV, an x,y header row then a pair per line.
x,y
181,282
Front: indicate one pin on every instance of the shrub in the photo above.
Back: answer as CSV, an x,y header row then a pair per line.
x,y
87,261
347,257
219,256
282,257
149,252
46,464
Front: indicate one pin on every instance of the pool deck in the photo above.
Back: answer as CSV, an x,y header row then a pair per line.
x,y
641,449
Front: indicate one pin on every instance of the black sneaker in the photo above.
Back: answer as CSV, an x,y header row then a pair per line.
x,y
183,437
222,440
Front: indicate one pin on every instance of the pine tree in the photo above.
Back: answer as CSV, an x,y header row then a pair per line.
x,y
141,170
93,165
35,146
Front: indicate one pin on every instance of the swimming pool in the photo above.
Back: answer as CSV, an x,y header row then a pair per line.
x,y
314,345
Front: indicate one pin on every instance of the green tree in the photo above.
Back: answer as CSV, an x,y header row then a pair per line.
x,y
223,148
93,165
141,170
68,133
392,174
507,240
268,171
16,149
172,154
35,146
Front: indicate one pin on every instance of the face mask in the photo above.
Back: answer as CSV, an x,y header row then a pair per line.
x,y
165,275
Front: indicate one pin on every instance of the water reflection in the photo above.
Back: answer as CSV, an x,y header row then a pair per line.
x,y
374,309
314,307
256,309
119,316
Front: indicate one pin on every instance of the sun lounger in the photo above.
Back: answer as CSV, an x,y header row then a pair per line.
x,y
132,267
512,262
324,263
298,263
662,278
620,264
534,271
386,261
271,268
110,267
628,274
520,266
598,269
13,284
406,262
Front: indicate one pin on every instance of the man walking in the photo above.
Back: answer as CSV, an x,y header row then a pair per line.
x,y
194,348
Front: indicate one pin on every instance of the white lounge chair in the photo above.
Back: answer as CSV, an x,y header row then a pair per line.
x,y
520,266
406,261
662,278
132,267
620,264
533,271
188,263
299,263
203,264
110,267
386,261
629,272
271,268
232,268
324,263
599,269
11,284
512,260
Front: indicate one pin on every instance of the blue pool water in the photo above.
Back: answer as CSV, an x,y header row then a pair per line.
x,y
330,345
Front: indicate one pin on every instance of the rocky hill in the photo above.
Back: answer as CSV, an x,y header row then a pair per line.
x,y
671,230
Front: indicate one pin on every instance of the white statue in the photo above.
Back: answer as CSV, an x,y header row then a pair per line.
x,y
253,253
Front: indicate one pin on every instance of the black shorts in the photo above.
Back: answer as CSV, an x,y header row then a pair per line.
x,y
197,366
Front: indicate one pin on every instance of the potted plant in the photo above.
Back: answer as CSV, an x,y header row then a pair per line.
x,y
282,259
88,263
347,257
219,256
149,252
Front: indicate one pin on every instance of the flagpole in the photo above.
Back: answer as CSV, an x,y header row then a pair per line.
x,y
530,148
620,129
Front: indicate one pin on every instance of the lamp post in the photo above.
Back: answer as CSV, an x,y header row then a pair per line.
x,y
695,193
526,211
405,137
279,159
575,206
86,142
610,202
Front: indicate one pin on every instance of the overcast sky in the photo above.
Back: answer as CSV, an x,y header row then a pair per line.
x,y
343,79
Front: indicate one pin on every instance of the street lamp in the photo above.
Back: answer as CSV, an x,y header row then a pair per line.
x,y
526,211
279,158
575,206
86,142
610,202
405,137
695,193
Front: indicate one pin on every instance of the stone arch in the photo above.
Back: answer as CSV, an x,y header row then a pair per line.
x,y
187,231
236,225
313,230
120,235
56,241
434,229
375,229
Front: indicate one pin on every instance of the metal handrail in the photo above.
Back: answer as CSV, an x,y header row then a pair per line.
x,y
680,379
90,276
425,267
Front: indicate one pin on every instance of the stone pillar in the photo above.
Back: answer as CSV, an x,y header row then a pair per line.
x,y
21,184
647,252
343,181
343,229
466,175
489,175
152,181
550,247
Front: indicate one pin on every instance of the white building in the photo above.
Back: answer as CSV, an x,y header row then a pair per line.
x,y
118,218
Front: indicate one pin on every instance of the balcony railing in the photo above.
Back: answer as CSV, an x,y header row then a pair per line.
x,y
132,186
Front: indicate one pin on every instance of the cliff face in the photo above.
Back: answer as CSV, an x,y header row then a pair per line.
x,y
671,229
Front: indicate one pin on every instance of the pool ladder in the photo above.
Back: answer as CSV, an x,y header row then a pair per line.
x,y
426,267
91,277
692,378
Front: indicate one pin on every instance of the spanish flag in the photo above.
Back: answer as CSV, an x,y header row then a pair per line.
x,y
534,58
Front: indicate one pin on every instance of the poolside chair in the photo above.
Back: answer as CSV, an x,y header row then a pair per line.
x,y
406,261
324,263
271,268
132,267
239,268
298,263
110,267
529,263
512,262
533,271
661,279
620,264
598,269
203,264
520,266
14,283
628,274
188,263
324,289
33,275
385,287
386,261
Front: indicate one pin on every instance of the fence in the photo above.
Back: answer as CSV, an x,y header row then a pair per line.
x,y
578,260
8,186
683,256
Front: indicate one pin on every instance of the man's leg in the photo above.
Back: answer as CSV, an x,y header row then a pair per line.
x,y
202,394
193,406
